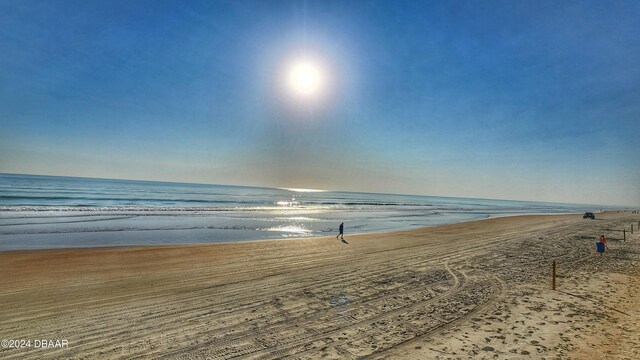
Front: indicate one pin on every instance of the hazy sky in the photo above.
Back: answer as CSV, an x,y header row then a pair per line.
x,y
530,100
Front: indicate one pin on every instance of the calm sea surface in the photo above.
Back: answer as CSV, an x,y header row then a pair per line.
x,y
53,212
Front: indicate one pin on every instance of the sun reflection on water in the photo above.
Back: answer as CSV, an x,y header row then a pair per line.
x,y
301,190
290,229
293,202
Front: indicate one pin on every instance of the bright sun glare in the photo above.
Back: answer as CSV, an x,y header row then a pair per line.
x,y
305,78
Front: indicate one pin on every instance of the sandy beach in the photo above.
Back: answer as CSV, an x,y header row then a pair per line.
x,y
470,290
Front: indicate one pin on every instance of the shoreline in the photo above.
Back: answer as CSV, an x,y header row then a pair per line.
x,y
293,238
470,289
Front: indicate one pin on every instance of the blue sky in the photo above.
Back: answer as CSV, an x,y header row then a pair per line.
x,y
529,100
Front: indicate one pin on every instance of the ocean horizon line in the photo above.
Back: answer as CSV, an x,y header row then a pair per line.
x,y
293,190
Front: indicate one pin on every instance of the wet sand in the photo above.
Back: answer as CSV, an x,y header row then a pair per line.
x,y
472,290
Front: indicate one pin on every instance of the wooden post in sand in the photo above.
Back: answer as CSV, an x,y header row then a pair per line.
x,y
624,235
553,275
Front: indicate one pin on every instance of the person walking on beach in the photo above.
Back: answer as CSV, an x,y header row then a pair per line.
x,y
601,244
341,229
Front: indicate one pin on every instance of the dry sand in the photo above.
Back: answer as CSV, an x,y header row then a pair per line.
x,y
471,290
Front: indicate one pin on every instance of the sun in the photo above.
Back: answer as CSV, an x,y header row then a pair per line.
x,y
305,78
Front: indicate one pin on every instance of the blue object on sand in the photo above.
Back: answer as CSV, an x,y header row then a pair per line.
x,y
600,247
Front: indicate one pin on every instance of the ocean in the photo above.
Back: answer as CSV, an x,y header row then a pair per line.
x,y
38,212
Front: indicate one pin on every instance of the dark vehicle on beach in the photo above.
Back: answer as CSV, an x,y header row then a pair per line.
x,y
588,215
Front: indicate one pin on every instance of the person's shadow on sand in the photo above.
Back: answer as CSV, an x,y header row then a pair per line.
x,y
345,241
